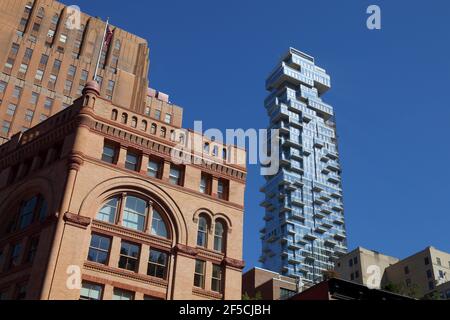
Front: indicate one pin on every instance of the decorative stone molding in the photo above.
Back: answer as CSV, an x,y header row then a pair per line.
x,y
185,250
77,220
207,294
234,263
75,161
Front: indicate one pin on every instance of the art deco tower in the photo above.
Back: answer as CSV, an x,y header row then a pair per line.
x,y
304,222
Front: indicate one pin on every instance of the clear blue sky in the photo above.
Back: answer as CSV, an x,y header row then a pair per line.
x,y
390,93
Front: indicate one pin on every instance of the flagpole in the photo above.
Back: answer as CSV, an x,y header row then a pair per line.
x,y
101,50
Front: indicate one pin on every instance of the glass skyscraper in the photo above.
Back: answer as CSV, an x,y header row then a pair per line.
x,y
304,221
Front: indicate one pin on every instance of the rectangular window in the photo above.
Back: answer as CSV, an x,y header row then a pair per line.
x,y
441,274
84,75
355,261
14,259
438,261
28,53
286,294
51,33
63,38
6,127
109,153
72,70
131,161
168,118
91,291
23,68
199,275
111,85
52,80
406,270
3,86
352,276
429,274
9,63
216,280
11,109
57,65
120,294
129,256
157,264
48,103
43,117
158,114
99,80
44,59
205,183
68,85
99,249
39,75
17,92
427,261
175,175
34,98
154,169
222,189
14,49
134,213
36,27
32,249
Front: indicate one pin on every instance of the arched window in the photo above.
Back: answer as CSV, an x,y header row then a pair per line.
x,y
124,118
31,210
206,148
135,213
163,132
41,13
224,153
144,125
134,122
114,114
153,129
202,233
109,211
219,237
181,138
172,135
158,225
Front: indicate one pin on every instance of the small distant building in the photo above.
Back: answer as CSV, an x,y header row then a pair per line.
x,y
357,266
268,285
422,274
338,289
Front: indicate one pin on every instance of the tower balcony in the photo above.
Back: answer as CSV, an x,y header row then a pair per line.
x,y
297,201
333,166
332,155
338,207
321,107
283,74
334,178
310,237
338,221
330,242
320,229
297,216
339,236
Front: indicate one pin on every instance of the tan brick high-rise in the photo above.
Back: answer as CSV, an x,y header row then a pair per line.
x,y
44,64
96,204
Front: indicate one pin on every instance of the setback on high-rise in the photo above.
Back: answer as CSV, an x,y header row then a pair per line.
x,y
304,230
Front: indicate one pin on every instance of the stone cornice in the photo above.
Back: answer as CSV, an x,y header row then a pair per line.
x,y
77,220
153,146
233,263
185,250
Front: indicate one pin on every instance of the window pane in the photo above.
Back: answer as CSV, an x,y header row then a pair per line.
x,y
157,266
99,249
108,212
122,295
135,213
158,225
90,291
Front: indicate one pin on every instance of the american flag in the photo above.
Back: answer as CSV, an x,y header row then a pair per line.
x,y
108,37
